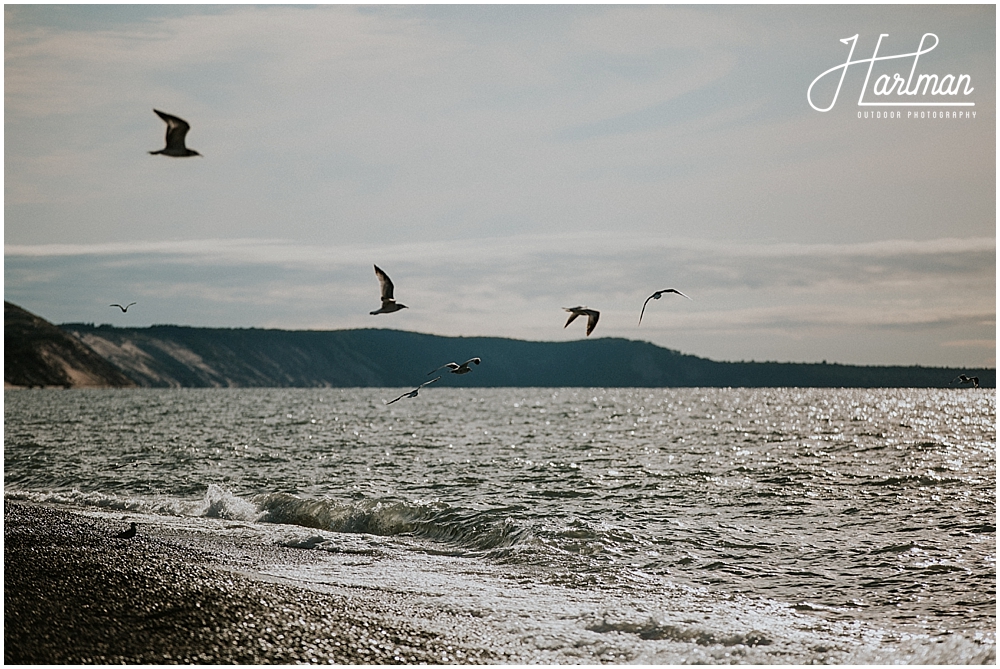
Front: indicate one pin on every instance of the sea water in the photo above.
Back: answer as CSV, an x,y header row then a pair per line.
x,y
575,525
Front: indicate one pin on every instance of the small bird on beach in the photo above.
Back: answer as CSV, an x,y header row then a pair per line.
x,y
389,304
413,393
177,129
656,296
457,368
126,534
591,314
963,379
125,308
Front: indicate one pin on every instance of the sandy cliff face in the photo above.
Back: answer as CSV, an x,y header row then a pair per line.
x,y
155,362
37,353
180,357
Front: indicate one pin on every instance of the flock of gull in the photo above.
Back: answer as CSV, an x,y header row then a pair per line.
x,y
177,129
390,305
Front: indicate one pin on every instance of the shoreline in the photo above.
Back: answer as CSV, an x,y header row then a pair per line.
x,y
74,594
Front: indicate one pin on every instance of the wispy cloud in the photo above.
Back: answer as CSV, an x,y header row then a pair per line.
x,y
516,286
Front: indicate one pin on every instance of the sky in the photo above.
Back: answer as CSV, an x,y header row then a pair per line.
x,y
502,162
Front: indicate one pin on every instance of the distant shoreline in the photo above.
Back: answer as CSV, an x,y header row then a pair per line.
x,y
39,353
206,357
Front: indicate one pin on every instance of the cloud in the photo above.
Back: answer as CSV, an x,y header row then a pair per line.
x,y
639,31
517,286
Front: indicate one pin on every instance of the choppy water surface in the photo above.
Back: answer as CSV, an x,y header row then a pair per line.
x,y
850,507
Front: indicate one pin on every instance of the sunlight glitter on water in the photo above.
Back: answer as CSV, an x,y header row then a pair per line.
x,y
848,506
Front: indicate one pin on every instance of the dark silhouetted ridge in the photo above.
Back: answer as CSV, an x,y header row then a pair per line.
x,y
177,356
37,353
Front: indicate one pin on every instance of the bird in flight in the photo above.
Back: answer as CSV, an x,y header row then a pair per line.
x,y
963,379
457,368
177,128
413,393
126,534
125,308
656,296
591,314
389,304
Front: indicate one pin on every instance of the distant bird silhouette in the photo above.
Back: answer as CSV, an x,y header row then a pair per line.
x,y
389,304
591,314
963,379
177,129
457,368
413,393
125,308
656,296
126,534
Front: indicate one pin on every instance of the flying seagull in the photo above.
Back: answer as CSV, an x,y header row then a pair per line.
x,y
126,534
177,128
413,393
591,314
389,304
656,296
963,379
125,308
457,368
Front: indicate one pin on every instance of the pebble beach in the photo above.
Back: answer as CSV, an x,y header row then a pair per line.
x,y
74,594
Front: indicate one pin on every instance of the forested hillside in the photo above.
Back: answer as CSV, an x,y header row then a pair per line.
x,y
38,353
167,355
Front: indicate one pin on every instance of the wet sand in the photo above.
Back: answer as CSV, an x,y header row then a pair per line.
x,y
74,594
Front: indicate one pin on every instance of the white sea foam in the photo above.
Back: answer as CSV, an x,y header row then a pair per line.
x,y
105,501
221,503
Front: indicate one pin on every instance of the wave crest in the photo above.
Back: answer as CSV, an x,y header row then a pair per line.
x,y
473,530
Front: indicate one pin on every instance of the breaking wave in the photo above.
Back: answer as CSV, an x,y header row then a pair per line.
x,y
468,529
478,531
